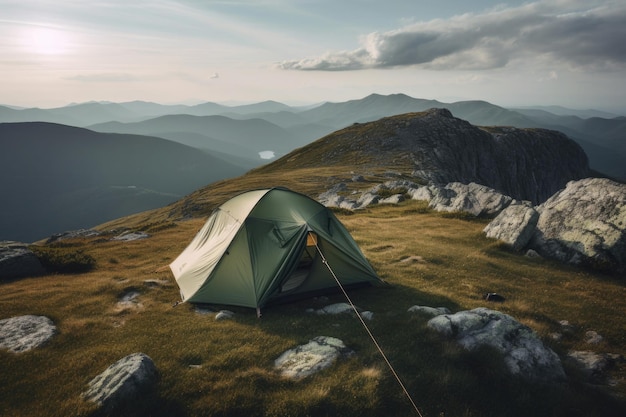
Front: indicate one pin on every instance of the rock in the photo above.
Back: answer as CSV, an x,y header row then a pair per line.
x,y
130,236
331,198
430,311
72,234
18,261
23,333
367,315
595,366
394,199
367,198
129,300
524,353
224,315
203,310
425,193
338,308
592,337
304,360
122,382
530,253
515,225
585,224
472,198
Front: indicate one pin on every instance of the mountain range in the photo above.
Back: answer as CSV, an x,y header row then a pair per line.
x,y
83,164
602,135
55,177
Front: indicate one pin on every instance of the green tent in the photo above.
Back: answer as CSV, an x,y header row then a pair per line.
x,y
266,245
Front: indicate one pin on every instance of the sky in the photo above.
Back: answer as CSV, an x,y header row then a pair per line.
x,y
570,53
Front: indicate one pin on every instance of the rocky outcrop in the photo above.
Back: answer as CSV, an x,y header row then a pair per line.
x,y
583,224
17,261
23,333
515,225
304,360
122,381
472,198
524,353
72,234
526,164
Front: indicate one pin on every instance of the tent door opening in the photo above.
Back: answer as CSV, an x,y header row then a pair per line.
x,y
303,269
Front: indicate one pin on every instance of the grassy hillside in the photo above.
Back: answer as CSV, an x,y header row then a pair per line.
x,y
225,368
56,178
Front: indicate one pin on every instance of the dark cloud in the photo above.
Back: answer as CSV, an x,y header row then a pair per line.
x,y
581,34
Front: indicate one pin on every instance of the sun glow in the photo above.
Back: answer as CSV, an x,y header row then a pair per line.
x,y
47,41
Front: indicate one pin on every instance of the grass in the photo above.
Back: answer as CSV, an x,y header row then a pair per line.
x,y
225,368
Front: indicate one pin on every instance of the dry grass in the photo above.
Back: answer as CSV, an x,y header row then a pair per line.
x,y
225,368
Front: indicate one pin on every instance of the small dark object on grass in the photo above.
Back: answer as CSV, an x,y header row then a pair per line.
x,y
495,297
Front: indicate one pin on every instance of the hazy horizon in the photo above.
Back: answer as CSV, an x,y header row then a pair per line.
x,y
295,104
510,53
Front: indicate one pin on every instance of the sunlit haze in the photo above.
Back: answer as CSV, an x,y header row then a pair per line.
x,y
510,53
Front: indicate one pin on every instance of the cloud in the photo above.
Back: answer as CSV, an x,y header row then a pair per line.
x,y
103,77
587,35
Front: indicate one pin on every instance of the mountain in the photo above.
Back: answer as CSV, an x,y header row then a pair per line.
x,y
601,135
55,177
249,136
435,147
604,140
564,111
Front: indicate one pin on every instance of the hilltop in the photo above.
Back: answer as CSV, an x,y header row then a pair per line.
x,y
431,146
123,304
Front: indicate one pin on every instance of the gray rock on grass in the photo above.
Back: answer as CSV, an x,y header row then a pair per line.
x,y
123,381
524,353
429,311
304,360
585,224
515,225
23,333
17,261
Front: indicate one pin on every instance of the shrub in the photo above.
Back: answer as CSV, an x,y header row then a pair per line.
x,y
63,259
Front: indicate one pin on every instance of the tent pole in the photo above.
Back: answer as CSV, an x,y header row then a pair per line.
x,y
393,371
258,312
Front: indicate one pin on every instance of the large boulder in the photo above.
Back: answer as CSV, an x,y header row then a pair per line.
x,y
515,225
123,381
472,198
17,261
304,360
23,333
585,224
524,353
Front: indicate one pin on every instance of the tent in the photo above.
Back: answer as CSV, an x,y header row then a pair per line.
x,y
264,246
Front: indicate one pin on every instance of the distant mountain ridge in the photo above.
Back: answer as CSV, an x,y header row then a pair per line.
x,y
250,136
56,178
603,137
231,145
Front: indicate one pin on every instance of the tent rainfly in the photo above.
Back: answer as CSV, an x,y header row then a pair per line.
x,y
265,245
